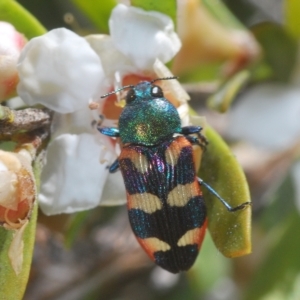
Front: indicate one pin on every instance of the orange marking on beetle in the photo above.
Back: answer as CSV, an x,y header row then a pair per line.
x,y
138,159
152,245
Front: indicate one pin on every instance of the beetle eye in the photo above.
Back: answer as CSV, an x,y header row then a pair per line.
x,y
157,92
130,96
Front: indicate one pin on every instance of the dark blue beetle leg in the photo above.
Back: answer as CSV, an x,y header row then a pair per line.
x,y
110,131
195,141
190,130
229,208
114,167
199,140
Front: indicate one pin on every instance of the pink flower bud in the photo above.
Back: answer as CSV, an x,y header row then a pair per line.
x,y
11,44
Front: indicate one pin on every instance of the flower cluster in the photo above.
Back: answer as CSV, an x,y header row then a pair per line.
x,y
66,72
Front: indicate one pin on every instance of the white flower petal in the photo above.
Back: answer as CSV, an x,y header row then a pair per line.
x,y
73,178
268,116
114,192
143,36
15,103
183,111
11,41
76,123
112,59
60,71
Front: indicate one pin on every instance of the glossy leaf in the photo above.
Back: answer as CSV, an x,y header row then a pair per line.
x,y
230,231
97,11
12,286
168,7
222,99
12,12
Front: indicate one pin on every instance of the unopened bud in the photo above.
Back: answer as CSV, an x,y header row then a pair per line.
x,y
17,189
11,44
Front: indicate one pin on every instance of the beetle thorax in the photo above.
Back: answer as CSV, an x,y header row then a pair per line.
x,y
148,122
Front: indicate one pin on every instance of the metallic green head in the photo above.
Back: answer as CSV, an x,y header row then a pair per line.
x,y
148,118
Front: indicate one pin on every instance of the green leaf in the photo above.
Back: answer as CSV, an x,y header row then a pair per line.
x,y
222,99
246,11
23,21
280,270
8,146
292,13
205,72
261,72
12,286
168,7
223,14
75,226
280,49
209,259
97,11
280,204
230,231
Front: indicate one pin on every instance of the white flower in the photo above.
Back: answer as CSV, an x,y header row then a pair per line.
x,y
65,72
158,37
53,75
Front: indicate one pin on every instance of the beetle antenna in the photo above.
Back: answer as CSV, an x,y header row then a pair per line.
x,y
117,90
164,78
132,86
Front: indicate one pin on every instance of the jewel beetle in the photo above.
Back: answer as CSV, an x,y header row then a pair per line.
x,y
166,209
